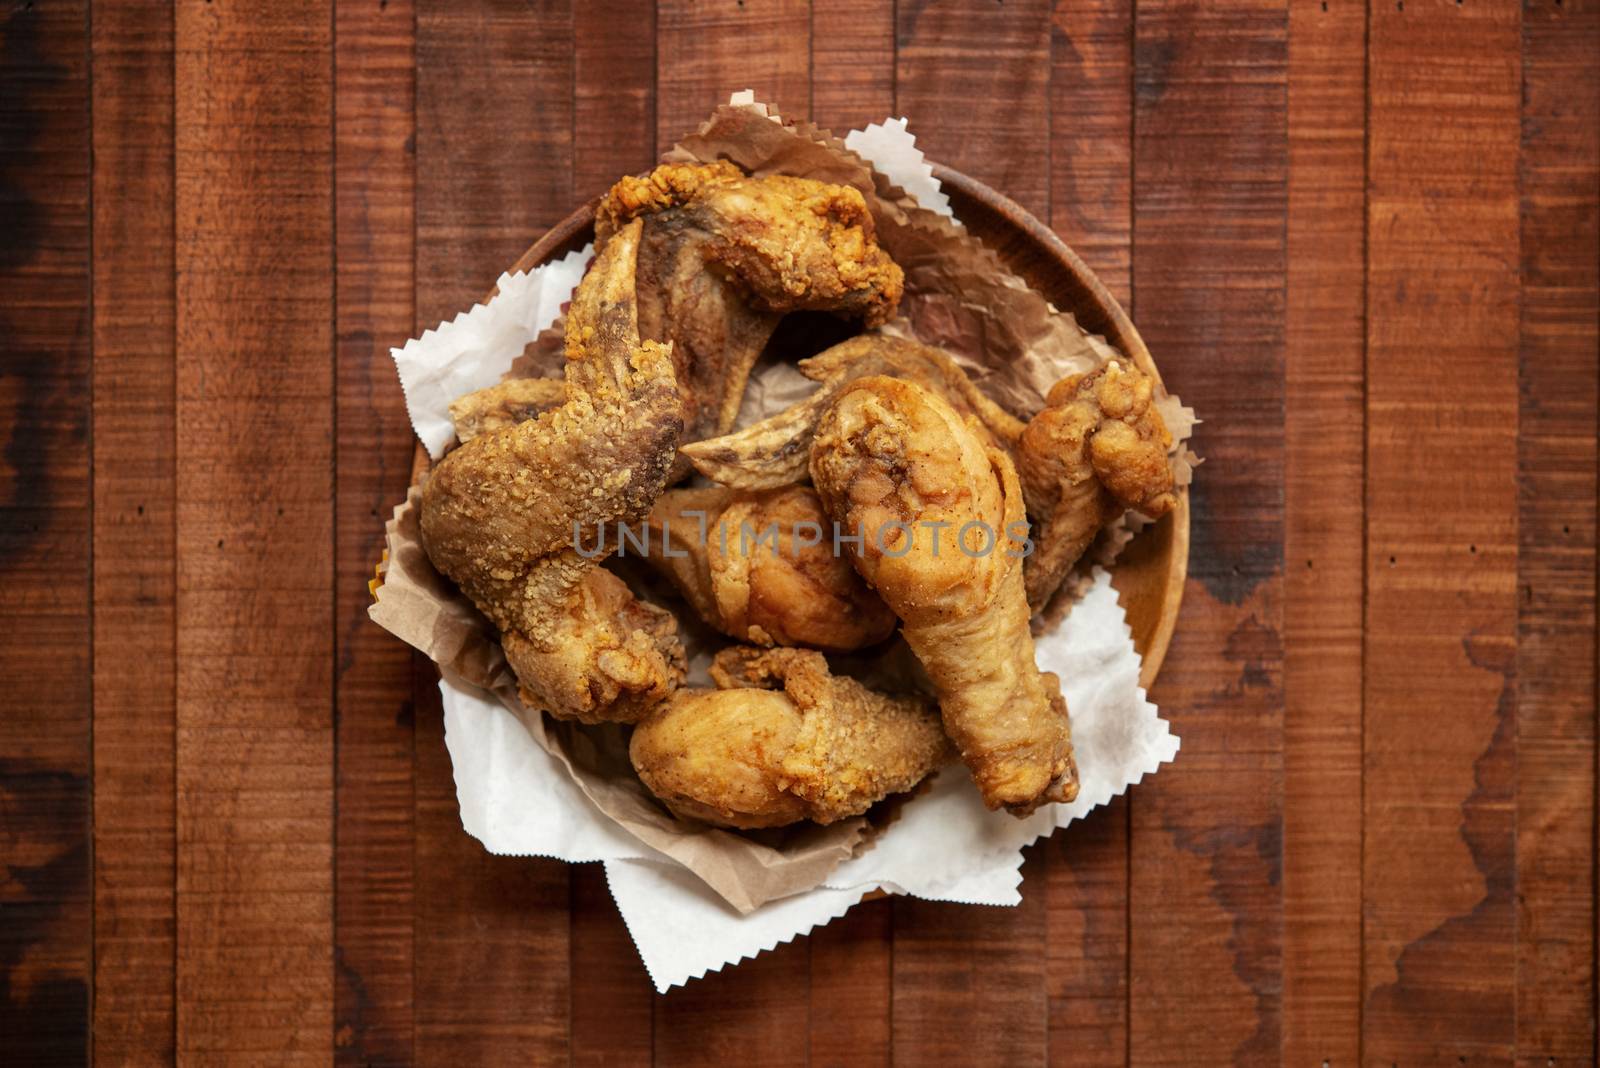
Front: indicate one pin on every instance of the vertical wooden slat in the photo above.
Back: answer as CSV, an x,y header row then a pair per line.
x,y
973,78
134,582
1439,861
494,86
851,996
614,90
46,950
704,51
1560,357
1323,544
254,532
754,1011
375,122
1091,136
613,133
1210,163
1091,202
852,63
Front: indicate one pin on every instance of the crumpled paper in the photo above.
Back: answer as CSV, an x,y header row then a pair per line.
x,y
945,846
521,794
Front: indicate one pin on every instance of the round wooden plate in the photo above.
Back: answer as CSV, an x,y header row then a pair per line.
x,y
1150,574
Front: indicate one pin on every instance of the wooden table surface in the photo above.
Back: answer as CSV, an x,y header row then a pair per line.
x,y
1360,239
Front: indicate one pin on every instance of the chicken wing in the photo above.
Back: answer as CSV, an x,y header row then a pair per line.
x,y
782,739
725,256
500,514
1097,449
942,518
510,402
760,567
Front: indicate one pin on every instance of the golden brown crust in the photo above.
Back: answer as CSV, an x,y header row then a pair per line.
x,y
499,513
760,567
508,403
944,517
783,739
725,256
1098,448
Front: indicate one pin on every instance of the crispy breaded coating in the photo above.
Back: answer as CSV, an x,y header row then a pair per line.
x,y
1098,448
499,514
508,403
783,739
760,567
943,519
724,256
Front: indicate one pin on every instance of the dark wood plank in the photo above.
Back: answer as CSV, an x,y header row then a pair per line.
x,y
614,93
972,78
613,134
1091,136
135,926
1086,885
852,63
494,168
704,51
1091,175
612,999
1210,169
254,532
46,934
374,197
1560,356
969,980
1323,545
851,987
1439,861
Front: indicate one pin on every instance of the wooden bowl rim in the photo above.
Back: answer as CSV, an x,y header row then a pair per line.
x,y
573,231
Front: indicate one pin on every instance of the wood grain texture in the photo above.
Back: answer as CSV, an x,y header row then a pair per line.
x,y
494,168
705,51
851,987
135,830
981,107
254,532
1555,667
1091,136
852,63
374,200
976,76
46,932
1209,212
614,94
1441,506
1091,208
1323,546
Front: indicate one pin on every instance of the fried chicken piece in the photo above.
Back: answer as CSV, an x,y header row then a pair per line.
x,y
1098,448
725,256
782,739
895,460
777,450
513,401
760,567
500,513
